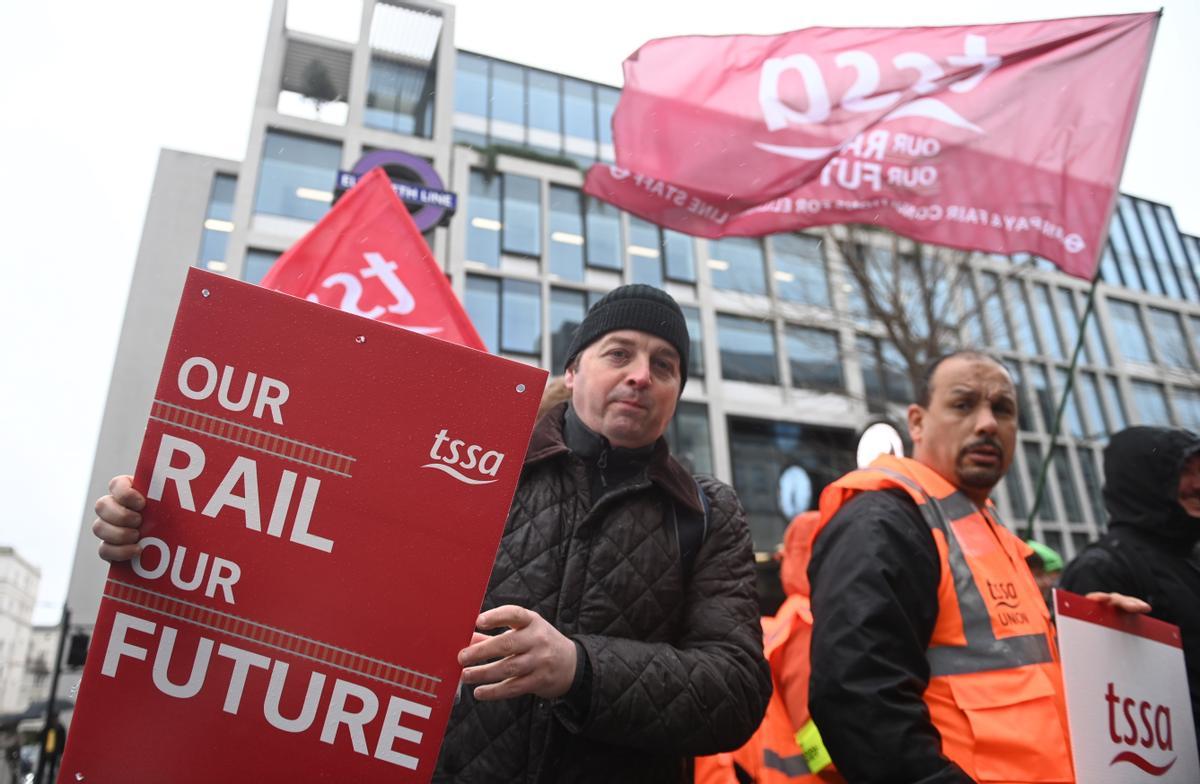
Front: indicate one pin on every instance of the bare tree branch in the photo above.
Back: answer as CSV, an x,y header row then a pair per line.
x,y
922,296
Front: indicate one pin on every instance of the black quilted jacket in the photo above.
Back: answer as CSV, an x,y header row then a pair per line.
x,y
676,665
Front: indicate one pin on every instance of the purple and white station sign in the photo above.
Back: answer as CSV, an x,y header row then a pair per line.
x,y
413,179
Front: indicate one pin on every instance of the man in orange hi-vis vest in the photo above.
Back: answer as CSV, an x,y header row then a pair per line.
x,y
933,656
787,747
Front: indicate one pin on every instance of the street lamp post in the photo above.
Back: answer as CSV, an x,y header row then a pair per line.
x,y
51,718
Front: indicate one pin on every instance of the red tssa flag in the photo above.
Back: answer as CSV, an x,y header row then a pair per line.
x,y
367,257
998,138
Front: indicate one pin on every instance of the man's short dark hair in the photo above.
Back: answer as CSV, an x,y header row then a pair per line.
x,y
925,390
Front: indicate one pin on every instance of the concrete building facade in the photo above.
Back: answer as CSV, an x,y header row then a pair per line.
x,y
39,663
18,592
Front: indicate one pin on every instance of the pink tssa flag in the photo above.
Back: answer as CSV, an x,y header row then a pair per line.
x,y
367,257
999,138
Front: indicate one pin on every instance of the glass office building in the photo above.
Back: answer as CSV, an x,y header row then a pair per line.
x,y
786,369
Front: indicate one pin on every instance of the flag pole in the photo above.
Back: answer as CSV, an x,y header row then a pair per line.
x,y
1027,532
1062,405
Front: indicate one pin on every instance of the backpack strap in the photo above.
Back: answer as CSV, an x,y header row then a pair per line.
x,y
690,530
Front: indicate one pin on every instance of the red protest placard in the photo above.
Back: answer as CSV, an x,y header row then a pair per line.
x,y
325,498
1127,695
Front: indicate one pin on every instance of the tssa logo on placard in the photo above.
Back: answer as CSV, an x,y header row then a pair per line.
x,y
473,459
1154,729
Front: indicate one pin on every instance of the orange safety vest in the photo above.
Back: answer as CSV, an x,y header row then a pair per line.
x,y
995,692
772,755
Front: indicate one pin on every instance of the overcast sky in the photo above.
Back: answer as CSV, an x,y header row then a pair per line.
x,y
93,91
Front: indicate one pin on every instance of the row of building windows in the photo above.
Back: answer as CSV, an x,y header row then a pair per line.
x,y
504,215
218,223
401,76
508,314
1147,252
763,450
496,102
781,467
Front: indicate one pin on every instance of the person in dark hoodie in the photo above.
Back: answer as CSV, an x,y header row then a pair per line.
x,y
1152,494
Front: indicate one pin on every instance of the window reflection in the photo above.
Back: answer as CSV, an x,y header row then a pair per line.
x,y
747,349
257,264
579,120
1151,402
645,253
1178,255
995,316
1169,339
507,102
737,264
1016,495
1066,485
814,357
566,314
506,313
1158,251
1137,243
471,84
1022,319
603,235
545,112
606,104
800,269
696,335
482,302
297,176
1131,274
218,223
1043,394
689,439
763,451
1127,326
1033,458
1092,485
522,215
680,256
972,315
483,220
1116,405
471,99
1187,406
1089,391
1024,409
400,98
1071,416
566,233
1069,317
521,317
895,373
1046,323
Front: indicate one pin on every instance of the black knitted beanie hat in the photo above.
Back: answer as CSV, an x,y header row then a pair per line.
x,y
636,306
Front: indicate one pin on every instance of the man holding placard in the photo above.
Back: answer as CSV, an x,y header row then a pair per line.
x,y
623,590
